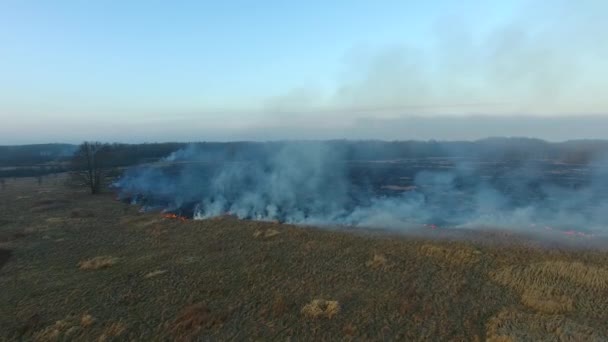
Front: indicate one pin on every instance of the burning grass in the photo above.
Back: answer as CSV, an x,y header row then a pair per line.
x,y
172,216
320,308
97,263
261,289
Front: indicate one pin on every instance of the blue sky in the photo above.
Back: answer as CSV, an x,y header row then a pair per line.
x,y
202,70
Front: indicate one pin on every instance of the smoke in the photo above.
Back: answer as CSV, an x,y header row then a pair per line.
x,y
320,183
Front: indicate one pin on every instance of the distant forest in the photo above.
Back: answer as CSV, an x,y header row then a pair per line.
x,y
41,159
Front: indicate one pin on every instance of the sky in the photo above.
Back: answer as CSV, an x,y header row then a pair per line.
x,y
145,71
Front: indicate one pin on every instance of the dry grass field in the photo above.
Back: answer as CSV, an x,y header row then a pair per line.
x,y
80,267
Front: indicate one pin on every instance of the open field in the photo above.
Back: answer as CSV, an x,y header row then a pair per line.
x,y
82,267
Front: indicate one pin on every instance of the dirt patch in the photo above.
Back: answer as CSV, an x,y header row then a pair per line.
x,y
5,254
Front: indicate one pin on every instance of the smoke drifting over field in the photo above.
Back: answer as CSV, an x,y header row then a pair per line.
x,y
317,183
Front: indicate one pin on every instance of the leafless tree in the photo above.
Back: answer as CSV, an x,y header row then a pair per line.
x,y
89,165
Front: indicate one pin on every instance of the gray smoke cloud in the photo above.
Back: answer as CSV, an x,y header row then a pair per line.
x,y
318,183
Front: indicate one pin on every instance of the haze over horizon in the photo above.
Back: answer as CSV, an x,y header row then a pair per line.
x,y
144,72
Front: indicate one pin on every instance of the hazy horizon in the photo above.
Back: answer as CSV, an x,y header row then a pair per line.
x,y
391,70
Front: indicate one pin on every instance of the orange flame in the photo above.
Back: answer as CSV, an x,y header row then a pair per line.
x,y
174,217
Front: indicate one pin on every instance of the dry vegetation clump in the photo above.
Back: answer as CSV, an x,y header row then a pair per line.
x,y
155,273
553,286
98,262
86,320
268,233
320,308
378,261
452,255
513,325
192,320
547,303
553,272
590,276
62,329
65,329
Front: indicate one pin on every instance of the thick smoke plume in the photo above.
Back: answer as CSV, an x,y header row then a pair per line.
x,y
323,183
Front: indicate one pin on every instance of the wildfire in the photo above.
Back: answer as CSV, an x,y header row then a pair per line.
x,y
430,226
571,232
174,217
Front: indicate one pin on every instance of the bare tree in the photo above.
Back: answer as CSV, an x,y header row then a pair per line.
x,y
89,165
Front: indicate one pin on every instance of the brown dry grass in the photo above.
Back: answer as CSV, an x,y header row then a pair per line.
x,y
320,308
61,329
66,329
268,233
547,303
513,325
450,254
552,273
192,320
86,320
436,290
112,331
98,262
554,286
500,338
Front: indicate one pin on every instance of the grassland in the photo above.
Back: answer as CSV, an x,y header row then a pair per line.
x,y
80,267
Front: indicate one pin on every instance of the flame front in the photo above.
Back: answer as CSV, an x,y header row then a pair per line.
x,y
174,217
